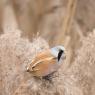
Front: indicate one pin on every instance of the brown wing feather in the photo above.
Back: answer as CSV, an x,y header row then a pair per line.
x,y
45,68
43,64
42,55
45,55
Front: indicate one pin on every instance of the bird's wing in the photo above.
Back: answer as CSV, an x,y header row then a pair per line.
x,y
45,67
42,58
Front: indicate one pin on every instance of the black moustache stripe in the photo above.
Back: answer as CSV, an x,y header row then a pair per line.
x,y
60,54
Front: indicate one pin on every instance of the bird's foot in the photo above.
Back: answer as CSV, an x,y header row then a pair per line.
x,y
48,77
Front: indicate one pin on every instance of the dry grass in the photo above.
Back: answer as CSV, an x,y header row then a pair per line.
x,y
16,53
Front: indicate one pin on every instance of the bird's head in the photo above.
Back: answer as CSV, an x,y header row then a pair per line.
x,y
59,52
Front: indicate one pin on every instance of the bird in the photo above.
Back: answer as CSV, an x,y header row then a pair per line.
x,y
47,62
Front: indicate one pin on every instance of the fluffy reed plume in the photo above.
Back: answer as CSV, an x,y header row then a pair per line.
x,y
16,53
81,75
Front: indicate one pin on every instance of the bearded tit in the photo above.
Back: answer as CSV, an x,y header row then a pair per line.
x,y
47,62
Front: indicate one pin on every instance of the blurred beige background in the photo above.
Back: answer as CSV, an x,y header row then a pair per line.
x,y
46,16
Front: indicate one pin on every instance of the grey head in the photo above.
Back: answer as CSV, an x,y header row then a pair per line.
x,y
58,52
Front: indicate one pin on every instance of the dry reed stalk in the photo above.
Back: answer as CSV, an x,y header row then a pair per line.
x,y
68,18
65,29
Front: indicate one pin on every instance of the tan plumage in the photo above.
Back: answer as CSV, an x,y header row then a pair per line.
x,y
47,62
43,64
